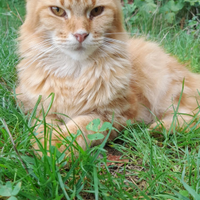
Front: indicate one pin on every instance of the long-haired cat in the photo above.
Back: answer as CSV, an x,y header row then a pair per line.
x,y
79,50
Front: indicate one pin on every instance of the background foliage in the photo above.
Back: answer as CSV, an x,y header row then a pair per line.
x,y
164,12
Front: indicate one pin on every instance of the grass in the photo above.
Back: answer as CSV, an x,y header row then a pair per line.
x,y
159,166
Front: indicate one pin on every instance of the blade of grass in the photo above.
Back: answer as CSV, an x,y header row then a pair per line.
x,y
62,186
96,190
14,146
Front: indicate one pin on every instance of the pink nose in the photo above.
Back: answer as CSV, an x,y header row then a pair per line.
x,y
81,37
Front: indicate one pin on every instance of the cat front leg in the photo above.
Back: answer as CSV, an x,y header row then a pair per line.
x,y
62,133
43,130
180,120
80,123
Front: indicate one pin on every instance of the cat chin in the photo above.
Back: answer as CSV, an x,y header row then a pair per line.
x,y
79,55
63,65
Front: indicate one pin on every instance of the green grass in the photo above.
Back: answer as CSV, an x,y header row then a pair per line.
x,y
160,166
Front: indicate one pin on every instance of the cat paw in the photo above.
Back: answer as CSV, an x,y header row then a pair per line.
x,y
160,126
61,137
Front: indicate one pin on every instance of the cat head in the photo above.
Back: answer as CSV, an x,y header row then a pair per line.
x,y
75,28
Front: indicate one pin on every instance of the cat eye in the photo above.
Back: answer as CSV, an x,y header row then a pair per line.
x,y
58,11
96,11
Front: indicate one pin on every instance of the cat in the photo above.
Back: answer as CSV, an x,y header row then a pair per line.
x,y
80,51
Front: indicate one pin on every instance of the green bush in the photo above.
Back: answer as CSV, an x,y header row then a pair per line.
x,y
168,12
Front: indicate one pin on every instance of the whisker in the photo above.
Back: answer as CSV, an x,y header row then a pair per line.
x,y
115,51
39,56
119,33
37,46
114,40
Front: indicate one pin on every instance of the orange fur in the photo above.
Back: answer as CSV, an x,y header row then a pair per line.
x,y
105,73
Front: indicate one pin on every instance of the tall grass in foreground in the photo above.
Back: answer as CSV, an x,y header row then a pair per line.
x,y
157,166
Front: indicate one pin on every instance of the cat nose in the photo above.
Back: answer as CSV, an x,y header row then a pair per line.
x,y
81,37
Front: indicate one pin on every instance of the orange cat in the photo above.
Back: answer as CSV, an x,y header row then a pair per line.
x,y
78,50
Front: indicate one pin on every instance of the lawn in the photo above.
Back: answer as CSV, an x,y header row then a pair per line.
x,y
139,164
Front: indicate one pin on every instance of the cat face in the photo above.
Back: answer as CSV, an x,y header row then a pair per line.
x,y
76,28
